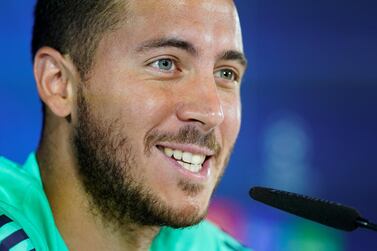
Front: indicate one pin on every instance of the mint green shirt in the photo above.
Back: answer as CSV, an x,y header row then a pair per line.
x,y
27,222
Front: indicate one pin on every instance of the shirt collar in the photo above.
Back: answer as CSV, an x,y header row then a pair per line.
x,y
31,166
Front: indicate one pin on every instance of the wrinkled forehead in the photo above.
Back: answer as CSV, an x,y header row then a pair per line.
x,y
207,18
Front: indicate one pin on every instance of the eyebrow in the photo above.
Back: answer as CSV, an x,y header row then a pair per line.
x,y
167,42
234,55
190,48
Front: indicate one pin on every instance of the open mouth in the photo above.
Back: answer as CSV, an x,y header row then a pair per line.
x,y
191,162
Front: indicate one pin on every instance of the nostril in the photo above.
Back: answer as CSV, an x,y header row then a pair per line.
x,y
195,121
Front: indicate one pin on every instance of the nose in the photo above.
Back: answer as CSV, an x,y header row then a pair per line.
x,y
201,104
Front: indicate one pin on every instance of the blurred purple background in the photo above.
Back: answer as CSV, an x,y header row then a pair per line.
x,y
309,116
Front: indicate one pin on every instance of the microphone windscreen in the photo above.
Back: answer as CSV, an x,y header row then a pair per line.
x,y
325,212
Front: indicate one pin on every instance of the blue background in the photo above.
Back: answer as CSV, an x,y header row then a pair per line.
x,y
309,116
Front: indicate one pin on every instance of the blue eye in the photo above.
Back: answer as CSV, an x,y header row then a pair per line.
x,y
164,64
226,74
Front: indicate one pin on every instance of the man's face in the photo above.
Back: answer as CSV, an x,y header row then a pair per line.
x,y
160,112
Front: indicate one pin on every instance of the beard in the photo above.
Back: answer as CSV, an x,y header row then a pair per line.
x,y
106,164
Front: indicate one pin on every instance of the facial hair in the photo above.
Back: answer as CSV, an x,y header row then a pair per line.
x,y
105,164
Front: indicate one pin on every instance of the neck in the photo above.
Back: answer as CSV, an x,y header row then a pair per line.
x,y
81,227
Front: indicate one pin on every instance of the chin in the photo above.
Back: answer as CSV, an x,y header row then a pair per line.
x,y
189,216
189,212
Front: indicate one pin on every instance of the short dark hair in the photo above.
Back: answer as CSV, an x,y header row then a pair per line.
x,y
75,27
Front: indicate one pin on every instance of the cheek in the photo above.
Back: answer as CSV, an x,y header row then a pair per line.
x,y
145,108
141,110
232,119
136,103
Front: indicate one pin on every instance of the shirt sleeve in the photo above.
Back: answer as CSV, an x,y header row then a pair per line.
x,y
12,236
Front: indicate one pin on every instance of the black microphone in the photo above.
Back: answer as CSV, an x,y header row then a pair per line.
x,y
328,213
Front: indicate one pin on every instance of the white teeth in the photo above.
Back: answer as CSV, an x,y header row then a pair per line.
x,y
187,166
197,159
168,151
190,167
189,161
196,168
187,157
177,154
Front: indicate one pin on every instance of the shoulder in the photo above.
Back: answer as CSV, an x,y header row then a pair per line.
x,y
12,236
21,201
15,182
11,171
7,165
25,209
204,236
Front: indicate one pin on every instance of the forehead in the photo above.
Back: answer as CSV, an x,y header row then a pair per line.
x,y
185,8
209,22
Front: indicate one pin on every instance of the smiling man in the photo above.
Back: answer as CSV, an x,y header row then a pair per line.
x,y
141,112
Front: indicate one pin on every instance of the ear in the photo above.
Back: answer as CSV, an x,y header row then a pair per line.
x,y
55,75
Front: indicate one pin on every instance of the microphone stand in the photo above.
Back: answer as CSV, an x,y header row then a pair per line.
x,y
366,224
322,211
